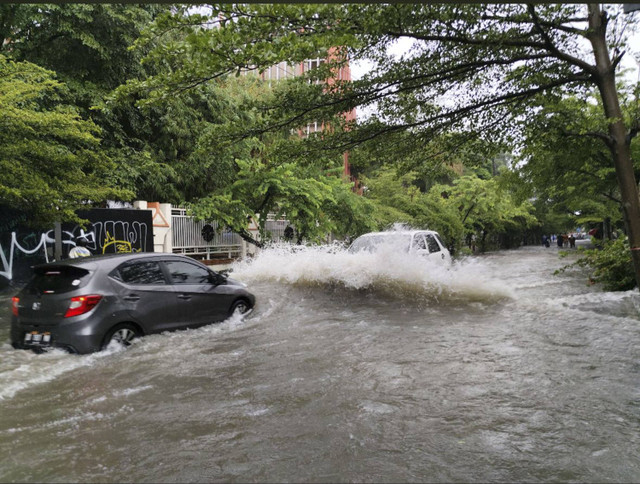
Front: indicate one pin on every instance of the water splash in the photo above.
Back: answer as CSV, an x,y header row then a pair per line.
x,y
23,369
388,271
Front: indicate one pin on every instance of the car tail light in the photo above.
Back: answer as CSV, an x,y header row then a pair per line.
x,y
14,305
82,304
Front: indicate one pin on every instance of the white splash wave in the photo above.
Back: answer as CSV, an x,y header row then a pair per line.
x,y
388,271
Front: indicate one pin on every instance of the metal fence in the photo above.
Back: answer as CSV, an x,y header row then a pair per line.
x,y
275,230
202,238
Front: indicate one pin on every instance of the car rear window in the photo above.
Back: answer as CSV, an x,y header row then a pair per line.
x,y
56,280
141,272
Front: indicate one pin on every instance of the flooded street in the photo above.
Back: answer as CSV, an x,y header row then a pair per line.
x,y
366,368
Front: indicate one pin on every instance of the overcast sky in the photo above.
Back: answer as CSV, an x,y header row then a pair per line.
x,y
630,62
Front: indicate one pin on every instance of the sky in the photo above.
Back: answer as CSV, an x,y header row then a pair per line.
x,y
630,62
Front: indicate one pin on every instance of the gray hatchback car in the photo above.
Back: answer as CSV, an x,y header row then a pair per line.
x,y
84,304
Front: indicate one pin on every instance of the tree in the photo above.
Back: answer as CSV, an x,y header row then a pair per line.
x,y
50,158
476,69
482,207
87,46
83,43
396,197
467,206
576,177
260,175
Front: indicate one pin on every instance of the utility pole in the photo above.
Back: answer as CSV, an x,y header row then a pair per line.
x,y
58,241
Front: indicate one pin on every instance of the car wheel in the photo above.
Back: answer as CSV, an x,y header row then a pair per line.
x,y
240,308
123,334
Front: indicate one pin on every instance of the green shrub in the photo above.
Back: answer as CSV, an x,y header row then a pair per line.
x,y
611,265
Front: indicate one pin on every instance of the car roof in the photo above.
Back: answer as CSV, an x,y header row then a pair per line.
x,y
110,260
399,232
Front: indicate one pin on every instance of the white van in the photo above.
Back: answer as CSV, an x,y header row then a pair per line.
x,y
422,242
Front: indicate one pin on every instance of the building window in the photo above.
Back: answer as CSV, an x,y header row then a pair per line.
x,y
313,63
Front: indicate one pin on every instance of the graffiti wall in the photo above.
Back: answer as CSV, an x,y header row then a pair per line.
x,y
108,231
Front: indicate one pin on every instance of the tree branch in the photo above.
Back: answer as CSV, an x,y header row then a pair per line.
x,y
551,47
468,212
451,117
246,236
617,59
612,198
382,91
463,40
601,136
561,27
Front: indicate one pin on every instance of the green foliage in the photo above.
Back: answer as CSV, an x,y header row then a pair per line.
x,y
508,56
85,49
49,157
85,44
568,168
611,265
315,203
469,205
484,207
512,62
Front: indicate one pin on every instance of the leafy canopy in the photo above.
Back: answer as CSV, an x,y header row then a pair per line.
x,y
47,152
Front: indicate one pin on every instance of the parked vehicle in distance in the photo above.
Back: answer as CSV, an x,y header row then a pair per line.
x,y
84,304
422,242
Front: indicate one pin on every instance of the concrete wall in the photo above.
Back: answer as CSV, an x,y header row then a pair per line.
x,y
161,221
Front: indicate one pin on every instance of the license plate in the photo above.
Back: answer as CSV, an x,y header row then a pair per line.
x,y
37,338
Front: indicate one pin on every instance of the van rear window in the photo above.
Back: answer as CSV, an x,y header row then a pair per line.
x,y
56,280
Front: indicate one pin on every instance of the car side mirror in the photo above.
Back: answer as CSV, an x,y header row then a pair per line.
x,y
216,279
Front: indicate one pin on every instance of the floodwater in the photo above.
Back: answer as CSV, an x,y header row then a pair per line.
x,y
365,368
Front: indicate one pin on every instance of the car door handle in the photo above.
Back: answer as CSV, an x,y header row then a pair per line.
x,y
132,297
184,296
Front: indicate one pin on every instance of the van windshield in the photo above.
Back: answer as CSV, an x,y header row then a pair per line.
x,y
371,243
56,279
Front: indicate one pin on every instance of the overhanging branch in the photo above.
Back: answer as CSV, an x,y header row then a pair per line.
x,y
551,47
593,134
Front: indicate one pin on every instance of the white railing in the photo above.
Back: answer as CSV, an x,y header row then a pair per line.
x,y
275,230
202,238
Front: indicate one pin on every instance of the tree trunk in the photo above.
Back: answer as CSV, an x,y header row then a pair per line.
x,y
246,236
607,228
483,242
620,143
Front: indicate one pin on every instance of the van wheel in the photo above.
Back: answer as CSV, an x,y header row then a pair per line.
x,y
240,307
122,334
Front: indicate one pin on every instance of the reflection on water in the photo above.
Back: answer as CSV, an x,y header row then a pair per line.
x,y
365,367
